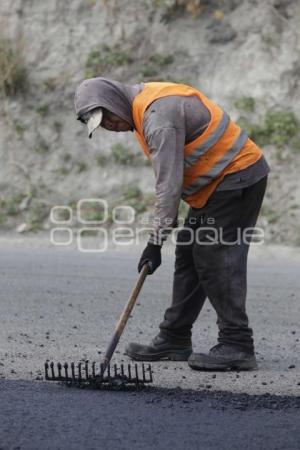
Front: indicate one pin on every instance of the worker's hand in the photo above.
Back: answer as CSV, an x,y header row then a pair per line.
x,y
152,256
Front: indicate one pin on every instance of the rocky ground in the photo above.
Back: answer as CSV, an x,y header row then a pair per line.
x,y
242,54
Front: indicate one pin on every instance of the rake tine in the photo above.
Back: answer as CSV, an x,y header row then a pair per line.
x,y
52,369
143,370
101,371
108,371
122,370
66,370
136,373
93,369
73,370
46,371
115,370
129,372
79,371
86,368
59,367
150,372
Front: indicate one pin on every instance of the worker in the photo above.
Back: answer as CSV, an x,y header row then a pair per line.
x,y
201,156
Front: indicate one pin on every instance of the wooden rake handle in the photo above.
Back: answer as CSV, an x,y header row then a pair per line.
x,y
124,317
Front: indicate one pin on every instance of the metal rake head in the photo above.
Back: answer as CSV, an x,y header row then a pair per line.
x,y
94,375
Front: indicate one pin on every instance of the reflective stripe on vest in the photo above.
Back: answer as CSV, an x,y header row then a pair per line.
x,y
210,141
221,149
206,178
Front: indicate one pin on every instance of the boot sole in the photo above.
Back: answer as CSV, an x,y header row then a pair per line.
x,y
167,355
232,365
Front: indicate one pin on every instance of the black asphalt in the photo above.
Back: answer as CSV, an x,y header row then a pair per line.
x,y
39,415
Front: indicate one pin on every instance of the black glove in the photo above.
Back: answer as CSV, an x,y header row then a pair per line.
x,y
152,256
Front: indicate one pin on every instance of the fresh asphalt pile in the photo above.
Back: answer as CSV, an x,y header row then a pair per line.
x,y
38,415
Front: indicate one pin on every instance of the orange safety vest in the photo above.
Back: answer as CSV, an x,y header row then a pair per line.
x,y
221,149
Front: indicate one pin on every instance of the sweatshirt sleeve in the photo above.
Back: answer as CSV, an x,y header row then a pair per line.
x,y
166,147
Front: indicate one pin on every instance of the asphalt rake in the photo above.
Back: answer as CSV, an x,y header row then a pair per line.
x,y
103,375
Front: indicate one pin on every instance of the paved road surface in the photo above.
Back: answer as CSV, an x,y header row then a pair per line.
x,y
37,416
62,304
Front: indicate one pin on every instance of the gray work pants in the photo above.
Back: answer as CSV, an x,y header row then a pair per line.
x,y
211,261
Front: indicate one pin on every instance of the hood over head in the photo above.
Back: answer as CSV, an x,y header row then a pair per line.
x,y
105,93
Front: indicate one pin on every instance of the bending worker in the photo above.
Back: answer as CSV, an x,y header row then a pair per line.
x,y
201,156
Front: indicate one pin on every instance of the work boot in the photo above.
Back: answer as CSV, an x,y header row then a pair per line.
x,y
161,347
223,357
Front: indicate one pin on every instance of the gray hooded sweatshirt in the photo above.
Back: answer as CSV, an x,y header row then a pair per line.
x,y
169,123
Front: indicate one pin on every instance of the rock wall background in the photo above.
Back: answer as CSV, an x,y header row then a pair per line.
x,y
243,54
